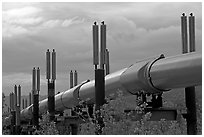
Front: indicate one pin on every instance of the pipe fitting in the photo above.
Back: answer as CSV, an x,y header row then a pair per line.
x,y
137,77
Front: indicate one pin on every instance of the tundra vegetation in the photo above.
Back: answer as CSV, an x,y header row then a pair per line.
x,y
118,123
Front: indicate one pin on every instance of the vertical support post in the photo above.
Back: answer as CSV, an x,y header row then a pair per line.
x,y
36,110
51,102
38,80
10,103
51,89
73,82
30,99
191,118
184,34
53,65
18,120
103,45
51,84
12,100
13,115
19,96
107,62
192,32
99,88
74,128
18,108
13,122
71,79
99,98
26,103
95,45
99,73
23,103
190,91
35,101
15,97
34,82
48,64
75,78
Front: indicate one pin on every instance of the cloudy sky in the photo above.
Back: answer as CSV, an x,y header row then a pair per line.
x,y
134,31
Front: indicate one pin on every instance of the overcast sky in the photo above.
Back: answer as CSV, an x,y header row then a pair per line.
x,y
134,31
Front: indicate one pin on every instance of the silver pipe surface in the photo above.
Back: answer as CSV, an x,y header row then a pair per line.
x,y
177,72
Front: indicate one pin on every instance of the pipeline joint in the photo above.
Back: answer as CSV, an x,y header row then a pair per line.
x,y
148,76
137,77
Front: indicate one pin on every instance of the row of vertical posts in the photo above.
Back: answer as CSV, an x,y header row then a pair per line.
x,y
100,72
15,103
73,82
73,79
51,83
191,118
15,99
24,101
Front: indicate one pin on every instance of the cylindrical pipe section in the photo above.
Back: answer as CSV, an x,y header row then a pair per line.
x,y
30,99
71,79
192,32
95,44
184,34
75,78
53,65
38,80
34,82
169,73
107,62
103,45
48,64
19,96
99,88
35,110
15,97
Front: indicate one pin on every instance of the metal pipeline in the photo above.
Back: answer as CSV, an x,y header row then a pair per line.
x,y
177,72
152,75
